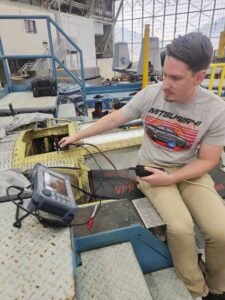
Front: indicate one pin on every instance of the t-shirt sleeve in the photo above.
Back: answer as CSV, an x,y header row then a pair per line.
x,y
216,133
136,107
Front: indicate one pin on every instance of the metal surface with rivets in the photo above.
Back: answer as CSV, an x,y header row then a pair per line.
x,y
148,213
165,285
111,273
111,141
6,150
24,141
36,262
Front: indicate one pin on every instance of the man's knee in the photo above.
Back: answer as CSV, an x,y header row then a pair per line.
x,y
216,234
181,228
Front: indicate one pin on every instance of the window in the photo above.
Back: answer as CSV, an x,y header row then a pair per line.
x,y
30,26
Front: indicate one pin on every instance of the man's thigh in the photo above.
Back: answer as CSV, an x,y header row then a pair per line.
x,y
168,202
203,202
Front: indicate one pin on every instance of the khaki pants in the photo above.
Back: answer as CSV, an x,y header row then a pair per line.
x,y
179,205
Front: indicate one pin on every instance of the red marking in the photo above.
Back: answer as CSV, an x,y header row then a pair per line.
x,y
189,134
121,189
171,124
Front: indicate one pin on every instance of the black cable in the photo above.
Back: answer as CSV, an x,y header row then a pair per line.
x,y
46,221
57,223
10,200
97,148
18,220
83,144
21,189
96,164
91,156
95,196
112,164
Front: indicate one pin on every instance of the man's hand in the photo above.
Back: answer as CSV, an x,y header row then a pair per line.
x,y
108,122
158,177
68,140
207,159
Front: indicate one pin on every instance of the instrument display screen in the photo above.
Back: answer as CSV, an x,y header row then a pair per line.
x,y
55,184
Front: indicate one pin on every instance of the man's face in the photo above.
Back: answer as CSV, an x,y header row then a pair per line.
x,y
179,82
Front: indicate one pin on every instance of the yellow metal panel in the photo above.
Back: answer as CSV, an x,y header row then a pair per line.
x,y
104,147
24,142
73,158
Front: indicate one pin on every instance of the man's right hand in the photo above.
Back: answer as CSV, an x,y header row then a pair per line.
x,y
108,122
67,140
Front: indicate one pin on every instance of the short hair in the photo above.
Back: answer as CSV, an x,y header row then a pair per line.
x,y
194,49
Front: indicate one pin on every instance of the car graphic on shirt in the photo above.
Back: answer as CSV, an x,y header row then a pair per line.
x,y
166,135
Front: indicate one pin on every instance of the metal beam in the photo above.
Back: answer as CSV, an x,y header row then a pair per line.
x,y
164,17
184,13
188,13
199,21
122,23
175,24
142,20
212,20
132,29
91,7
153,18
113,25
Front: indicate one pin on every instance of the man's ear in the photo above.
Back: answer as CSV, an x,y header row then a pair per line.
x,y
200,76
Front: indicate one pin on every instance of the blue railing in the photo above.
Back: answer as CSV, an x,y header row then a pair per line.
x,y
4,58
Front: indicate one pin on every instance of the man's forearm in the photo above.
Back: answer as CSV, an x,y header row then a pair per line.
x,y
208,157
194,169
104,124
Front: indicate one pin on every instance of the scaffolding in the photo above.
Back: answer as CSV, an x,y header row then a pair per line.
x,y
167,20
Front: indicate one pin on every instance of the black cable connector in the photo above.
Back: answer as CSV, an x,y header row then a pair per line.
x,y
46,222
52,222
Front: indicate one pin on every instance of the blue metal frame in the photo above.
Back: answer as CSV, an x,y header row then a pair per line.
x,y
49,20
4,92
106,102
109,93
6,68
116,88
152,254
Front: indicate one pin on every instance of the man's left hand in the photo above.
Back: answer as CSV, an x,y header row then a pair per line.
x,y
158,177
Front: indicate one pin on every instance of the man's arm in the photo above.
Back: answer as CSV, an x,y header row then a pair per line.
x,y
108,122
208,158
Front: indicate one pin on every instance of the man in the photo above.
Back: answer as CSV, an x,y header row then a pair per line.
x,y
184,134
151,72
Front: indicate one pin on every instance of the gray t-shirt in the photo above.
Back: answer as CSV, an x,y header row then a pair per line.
x,y
173,131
